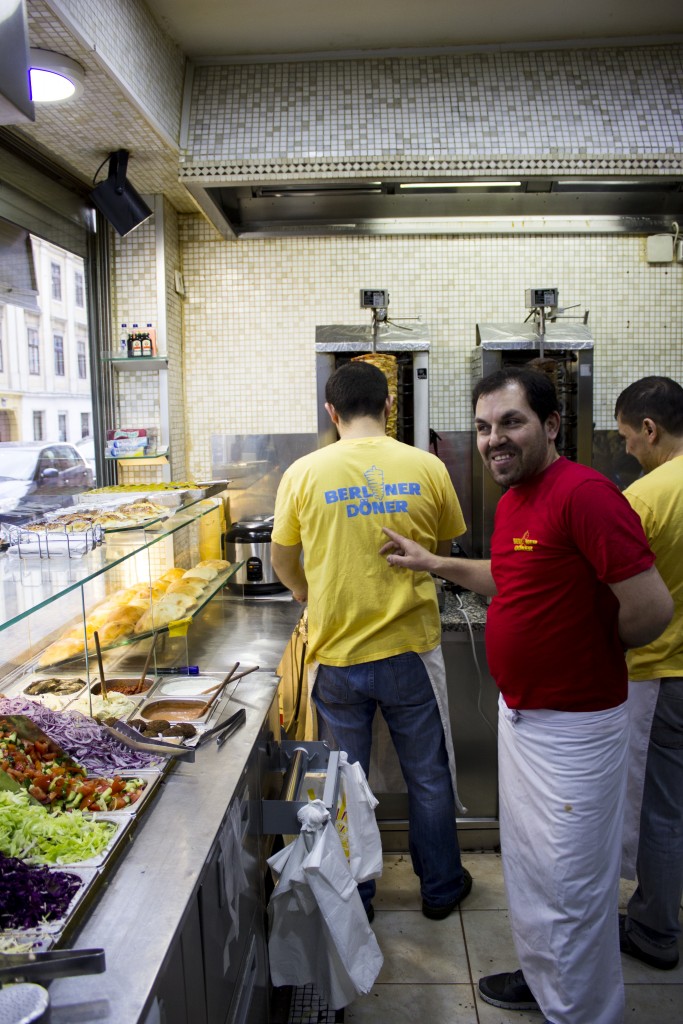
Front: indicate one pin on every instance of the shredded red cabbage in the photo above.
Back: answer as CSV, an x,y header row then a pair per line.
x,y
81,737
30,895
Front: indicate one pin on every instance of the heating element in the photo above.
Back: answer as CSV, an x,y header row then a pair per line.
x,y
336,344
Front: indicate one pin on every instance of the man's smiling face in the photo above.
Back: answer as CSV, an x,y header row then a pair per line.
x,y
511,439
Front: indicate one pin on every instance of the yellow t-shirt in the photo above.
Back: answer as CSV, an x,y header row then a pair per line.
x,y
335,502
657,497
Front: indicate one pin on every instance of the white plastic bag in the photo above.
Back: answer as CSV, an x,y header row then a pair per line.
x,y
319,931
356,822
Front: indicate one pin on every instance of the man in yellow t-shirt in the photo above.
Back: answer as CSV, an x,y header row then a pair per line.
x,y
373,635
649,416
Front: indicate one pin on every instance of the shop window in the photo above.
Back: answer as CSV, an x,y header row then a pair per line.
x,y
82,360
58,343
78,287
56,276
38,425
33,352
62,426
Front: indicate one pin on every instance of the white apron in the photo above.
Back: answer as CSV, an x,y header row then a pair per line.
x,y
562,781
385,774
642,701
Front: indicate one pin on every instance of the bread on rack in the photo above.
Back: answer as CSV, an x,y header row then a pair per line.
x,y
167,609
193,586
172,574
201,572
219,564
61,650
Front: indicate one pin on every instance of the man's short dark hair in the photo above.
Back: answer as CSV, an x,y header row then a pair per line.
x,y
357,389
654,398
536,385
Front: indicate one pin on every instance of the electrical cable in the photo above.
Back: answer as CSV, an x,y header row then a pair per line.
x,y
461,608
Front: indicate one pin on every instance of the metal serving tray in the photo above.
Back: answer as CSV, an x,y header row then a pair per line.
x,y
57,702
197,722
183,686
151,779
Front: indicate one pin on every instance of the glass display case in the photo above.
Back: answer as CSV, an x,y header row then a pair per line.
x,y
52,597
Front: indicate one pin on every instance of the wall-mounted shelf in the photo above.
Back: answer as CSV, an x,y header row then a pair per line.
x,y
138,363
160,459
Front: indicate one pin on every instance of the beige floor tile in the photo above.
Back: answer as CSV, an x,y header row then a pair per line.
x,y
414,1004
417,950
489,942
399,886
493,1015
654,1004
488,891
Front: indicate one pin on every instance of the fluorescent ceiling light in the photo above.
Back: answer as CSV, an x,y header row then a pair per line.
x,y
54,77
461,184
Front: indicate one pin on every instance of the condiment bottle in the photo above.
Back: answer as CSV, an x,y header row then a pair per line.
x,y
136,342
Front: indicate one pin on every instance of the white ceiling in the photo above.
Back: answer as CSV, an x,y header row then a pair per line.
x,y
225,28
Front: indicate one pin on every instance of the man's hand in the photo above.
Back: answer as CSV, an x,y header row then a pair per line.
x,y
408,554
473,574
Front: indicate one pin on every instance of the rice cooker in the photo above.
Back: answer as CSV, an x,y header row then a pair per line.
x,y
248,541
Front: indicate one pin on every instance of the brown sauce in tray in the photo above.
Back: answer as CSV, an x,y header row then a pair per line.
x,y
128,687
175,710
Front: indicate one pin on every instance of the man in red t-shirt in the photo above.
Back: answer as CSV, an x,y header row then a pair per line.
x,y
573,583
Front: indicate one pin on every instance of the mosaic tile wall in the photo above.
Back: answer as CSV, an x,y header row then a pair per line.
x,y
130,42
174,344
587,111
134,301
251,310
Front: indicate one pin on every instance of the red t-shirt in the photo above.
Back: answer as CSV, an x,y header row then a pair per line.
x,y
551,637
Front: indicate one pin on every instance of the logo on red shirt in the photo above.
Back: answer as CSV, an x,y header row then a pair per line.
x,y
524,543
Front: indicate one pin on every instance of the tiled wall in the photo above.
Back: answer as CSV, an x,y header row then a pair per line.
x,y
133,46
532,112
251,310
174,344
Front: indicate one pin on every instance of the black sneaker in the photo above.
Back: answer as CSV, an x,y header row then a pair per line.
x,y
438,913
508,991
628,946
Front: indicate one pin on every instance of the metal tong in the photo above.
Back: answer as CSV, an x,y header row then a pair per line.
x,y
57,963
224,730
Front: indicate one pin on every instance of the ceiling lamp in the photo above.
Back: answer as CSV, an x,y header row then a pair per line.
x,y
459,184
54,77
116,199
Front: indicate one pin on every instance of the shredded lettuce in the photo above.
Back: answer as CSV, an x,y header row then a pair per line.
x,y
34,834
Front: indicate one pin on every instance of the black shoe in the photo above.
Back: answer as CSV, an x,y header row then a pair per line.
x,y
628,946
370,911
508,991
438,913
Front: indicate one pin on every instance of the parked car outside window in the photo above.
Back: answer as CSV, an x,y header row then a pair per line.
x,y
37,477
86,447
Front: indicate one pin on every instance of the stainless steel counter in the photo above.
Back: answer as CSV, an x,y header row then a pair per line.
x,y
141,911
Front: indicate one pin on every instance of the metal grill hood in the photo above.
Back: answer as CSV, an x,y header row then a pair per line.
x,y
532,206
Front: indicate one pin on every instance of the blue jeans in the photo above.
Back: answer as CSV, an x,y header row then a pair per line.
x,y
346,700
653,908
